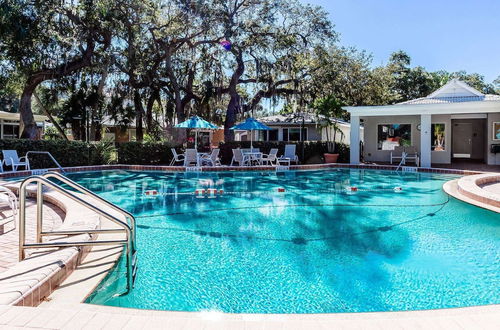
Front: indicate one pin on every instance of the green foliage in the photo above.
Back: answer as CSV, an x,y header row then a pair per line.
x,y
67,153
312,150
144,153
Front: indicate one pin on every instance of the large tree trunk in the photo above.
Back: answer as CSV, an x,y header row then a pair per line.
x,y
139,111
95,126
234,102
58,127
232,110
28,128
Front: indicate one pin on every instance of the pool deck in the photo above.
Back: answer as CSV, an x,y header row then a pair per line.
x,y
83,316
63,308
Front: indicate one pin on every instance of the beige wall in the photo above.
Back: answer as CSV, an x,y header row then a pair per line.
x,y
492,159
371,153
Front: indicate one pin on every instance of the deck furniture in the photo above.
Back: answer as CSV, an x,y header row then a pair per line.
x,y
412,155
8,199
239,157
211,159
178,158
289,156
397,153
271,158
191,157
11,158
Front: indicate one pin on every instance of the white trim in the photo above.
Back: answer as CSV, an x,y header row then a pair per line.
x,y
426,109
470,116
461,155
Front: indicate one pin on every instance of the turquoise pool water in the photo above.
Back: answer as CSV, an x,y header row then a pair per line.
x,y
315,248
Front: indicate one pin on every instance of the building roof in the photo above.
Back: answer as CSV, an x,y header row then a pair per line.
x,y
295,119
15,116
455,97
455,91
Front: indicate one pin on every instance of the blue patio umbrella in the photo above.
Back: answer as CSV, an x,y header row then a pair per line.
x,y
251,124
196,123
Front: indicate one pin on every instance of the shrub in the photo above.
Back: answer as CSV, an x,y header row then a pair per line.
x,y
312,151
148,153
67,153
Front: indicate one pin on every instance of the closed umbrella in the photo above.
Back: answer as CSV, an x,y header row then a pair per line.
x,y
196,123
251,124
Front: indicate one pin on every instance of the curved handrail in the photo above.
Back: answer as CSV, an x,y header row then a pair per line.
x,y
39,180
90,193
45,153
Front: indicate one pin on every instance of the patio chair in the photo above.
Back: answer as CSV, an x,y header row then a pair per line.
x,y
190,157
289,156
10,158
271,158
239,157
212,159
397,153
177,157
8,199
412,155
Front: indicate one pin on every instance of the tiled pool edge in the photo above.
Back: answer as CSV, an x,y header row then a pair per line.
x,y
469,190
161,168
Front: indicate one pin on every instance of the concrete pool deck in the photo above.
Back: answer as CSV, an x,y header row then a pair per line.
x,y
83,316
63,308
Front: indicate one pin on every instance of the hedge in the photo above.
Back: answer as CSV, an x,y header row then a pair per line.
x,y
312,150
79,153
67,153
149,153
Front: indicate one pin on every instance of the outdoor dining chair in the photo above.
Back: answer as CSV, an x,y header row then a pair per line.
x,y
212,159
271,158
190,157
239,157
178,158
289,155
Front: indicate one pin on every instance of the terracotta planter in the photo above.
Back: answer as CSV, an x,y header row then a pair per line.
x,y
331,158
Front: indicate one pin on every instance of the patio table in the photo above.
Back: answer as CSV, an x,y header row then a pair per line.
x,y
254,156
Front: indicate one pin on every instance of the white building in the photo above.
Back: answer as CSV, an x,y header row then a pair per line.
x,y
9,124
455,122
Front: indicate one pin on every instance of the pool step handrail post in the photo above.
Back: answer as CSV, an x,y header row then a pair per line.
x,y
50,156
403,160
129,230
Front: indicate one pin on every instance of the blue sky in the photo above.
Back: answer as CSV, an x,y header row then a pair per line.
x,y
440,34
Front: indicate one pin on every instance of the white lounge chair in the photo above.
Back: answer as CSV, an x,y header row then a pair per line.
x,y
289,155
239,157
8,199
272,158
190,157
11,158
212,159
397,153
178,158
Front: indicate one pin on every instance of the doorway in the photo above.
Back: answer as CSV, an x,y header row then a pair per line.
x,y
468,139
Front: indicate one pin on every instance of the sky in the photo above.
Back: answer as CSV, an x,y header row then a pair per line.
x,y
438,35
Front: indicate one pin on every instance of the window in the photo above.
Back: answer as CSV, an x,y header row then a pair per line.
x,y
10,130
271,135
438,137
293,134
393,135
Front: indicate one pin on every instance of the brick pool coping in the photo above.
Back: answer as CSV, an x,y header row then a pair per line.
x,y
235,168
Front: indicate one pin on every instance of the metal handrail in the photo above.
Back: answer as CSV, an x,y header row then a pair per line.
x,y
46,153
403,160
129,241
88,192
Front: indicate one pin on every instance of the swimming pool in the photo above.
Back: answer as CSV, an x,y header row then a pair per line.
x,y
316,247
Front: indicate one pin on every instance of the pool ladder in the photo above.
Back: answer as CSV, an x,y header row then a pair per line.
x,y
128,227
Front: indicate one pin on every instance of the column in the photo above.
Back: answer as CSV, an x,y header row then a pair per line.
x,y
425,140
354,141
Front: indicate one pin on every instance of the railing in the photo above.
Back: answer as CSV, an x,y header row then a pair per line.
x,y
45,153
403,160
129,229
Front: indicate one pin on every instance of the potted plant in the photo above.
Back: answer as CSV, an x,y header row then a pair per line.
x,y
328,109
